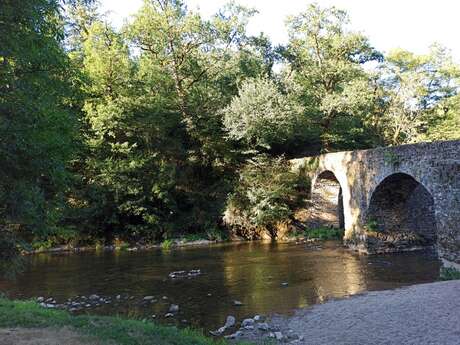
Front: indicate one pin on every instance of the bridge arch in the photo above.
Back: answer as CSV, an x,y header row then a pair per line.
x,y
402,207
327,201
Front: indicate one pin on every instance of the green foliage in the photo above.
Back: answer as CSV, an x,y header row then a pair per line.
x,y
261,115
372,224
324,233
449,273
326,63
265,196
167,244
37,121
417,93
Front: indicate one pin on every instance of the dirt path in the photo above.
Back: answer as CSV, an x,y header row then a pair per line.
x,y
45,336
419,315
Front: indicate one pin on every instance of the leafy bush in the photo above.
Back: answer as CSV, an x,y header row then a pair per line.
x,y
265,197
167,244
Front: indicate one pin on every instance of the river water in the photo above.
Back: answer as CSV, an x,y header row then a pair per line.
x,y
252,273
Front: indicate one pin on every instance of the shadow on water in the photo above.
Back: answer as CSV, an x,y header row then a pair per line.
x,y
252,273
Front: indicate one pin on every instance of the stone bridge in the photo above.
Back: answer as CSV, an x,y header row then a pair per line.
x,y
390,199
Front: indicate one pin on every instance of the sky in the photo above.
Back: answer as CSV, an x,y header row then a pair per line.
x,y
410,24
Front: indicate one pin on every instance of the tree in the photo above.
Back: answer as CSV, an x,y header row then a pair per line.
x,y
37,123
261,115
416,91
326,60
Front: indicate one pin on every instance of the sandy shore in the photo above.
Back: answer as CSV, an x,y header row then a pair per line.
x,y
419,315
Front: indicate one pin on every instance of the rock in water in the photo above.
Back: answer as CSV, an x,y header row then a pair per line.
x,y
230,322
237,303
173,308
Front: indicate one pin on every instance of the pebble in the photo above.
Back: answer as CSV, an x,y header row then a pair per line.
x,y
247,322
234,335
263,326
173,308
148,298
278,335
47,305
258,318
284,284
237,303
169,315
230,322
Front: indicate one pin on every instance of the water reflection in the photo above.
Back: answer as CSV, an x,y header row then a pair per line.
x,y
249,272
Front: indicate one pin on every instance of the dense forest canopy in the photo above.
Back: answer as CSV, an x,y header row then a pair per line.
x,y
155,129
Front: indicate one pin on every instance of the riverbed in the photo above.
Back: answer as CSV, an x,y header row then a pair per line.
x,y
210,283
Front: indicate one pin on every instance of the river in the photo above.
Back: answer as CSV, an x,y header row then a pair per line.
x,y
266,277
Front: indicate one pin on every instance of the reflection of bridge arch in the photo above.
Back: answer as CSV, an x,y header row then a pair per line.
x,y
426,177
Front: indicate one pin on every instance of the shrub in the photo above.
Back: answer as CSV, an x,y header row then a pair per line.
x,y
265,197
167,244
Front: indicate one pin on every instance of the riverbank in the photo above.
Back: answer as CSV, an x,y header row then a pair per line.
x,y
418,315
24,321
127,247
169,244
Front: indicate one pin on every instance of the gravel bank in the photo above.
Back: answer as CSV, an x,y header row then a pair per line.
x,y
418,315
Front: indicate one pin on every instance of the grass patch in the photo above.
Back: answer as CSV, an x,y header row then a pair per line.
x,y
449,273
324,233
113,330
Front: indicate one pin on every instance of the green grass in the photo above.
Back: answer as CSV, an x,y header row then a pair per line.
x,y
324,233
449,273
113,330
